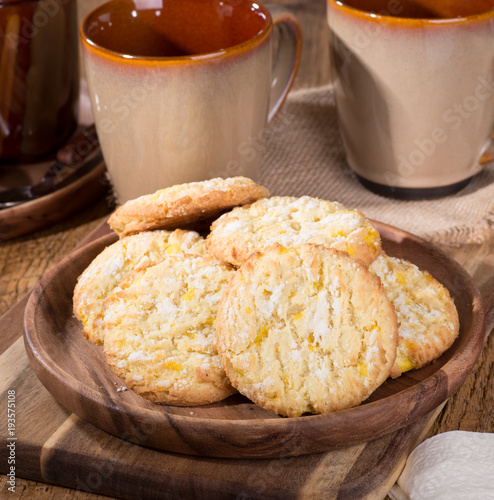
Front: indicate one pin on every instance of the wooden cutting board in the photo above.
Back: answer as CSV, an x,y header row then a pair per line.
x,y
54,446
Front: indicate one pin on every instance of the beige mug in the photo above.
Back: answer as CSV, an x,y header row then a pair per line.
x,y
180,89
414,90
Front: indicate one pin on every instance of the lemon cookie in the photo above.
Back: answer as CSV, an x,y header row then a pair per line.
x,y
306,329
104,273
159,331
290,221
427,316
184,204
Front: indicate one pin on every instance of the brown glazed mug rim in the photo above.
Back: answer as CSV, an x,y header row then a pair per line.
x,y
410,21
163,60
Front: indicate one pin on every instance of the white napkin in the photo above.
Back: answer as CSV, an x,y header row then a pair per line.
x,y
456,465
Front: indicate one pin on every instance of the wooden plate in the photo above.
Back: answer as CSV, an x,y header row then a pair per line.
x,y
54,207
75,372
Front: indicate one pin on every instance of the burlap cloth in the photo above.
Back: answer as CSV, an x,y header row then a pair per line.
x,y
303,155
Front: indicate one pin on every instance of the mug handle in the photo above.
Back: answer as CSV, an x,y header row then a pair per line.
x,y
488,155
287,58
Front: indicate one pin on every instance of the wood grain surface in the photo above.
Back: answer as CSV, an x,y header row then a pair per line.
x,y
56,445
44,423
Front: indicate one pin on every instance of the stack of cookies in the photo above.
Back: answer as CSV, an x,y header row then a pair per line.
x,y
290,301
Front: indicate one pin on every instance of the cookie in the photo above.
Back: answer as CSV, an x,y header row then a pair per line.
x,y
104,273
159,331
427,316
291,221
306,329
184,204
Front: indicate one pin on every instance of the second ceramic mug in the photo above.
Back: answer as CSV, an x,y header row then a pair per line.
x,y
180,89
414,88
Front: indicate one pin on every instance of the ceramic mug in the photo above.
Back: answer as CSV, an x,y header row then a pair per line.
x,y
39,77
180,89
414,89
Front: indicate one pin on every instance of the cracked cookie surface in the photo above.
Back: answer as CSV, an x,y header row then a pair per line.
x,y
427,316
104,273
159,331
290,221
184,204
306,329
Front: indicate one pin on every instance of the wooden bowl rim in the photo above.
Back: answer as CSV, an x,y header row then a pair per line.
x,y
452,373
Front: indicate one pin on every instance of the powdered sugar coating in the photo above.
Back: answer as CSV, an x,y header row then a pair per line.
x,y
159,331
427,316
292,221
306,329
106,271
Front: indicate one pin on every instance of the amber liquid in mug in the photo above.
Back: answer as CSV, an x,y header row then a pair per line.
x,y
423,9
177,28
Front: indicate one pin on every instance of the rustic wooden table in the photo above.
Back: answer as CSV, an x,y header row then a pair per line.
x,y
23,261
